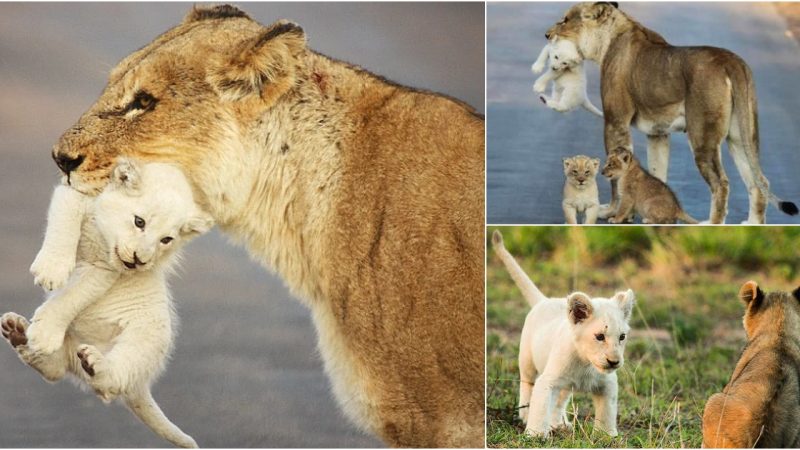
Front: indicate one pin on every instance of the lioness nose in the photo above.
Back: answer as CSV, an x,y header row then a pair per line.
x,y
547,36
66,163
612,363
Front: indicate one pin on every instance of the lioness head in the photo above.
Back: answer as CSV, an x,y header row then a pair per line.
x,y
173,99
768,311
587,25
580,170
617,163
145,213
600,328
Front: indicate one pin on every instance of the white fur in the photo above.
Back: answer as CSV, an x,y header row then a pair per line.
x,y
114,320
568,75
560,352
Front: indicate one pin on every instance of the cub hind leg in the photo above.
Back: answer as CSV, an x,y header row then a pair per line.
x,y
51,366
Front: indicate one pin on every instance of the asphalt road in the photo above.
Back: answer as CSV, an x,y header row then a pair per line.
x,y
526,141
245,371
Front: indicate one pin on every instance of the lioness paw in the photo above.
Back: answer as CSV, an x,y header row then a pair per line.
x,y
13,328
51,271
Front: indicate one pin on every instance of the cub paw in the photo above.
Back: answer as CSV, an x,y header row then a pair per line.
x,y
607,210
13,329
537,67
90,358
51,271
539,87
44,339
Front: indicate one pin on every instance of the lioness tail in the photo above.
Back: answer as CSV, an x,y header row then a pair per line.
x,y
529,290
147,410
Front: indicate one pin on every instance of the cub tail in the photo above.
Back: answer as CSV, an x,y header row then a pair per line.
x,y
529,290
146,409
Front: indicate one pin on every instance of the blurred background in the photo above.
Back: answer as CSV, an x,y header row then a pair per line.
x,y
686,333
245,371
526,140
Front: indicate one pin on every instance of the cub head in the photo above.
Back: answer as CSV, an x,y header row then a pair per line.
x,y
177,99
563,54
600,328
617,163
146,213
589,26
768,312
580,170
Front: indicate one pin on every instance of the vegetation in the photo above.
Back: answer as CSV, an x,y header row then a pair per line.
x,y
687,322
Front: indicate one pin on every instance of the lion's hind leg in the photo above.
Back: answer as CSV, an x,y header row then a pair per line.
x,y
727,423
51,366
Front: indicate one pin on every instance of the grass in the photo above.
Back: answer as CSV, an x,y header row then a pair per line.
x,y
687,323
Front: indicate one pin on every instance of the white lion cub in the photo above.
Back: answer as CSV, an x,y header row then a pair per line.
x,y
111,326
572,344
580,189
567,74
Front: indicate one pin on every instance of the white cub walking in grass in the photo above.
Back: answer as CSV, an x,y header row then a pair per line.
x,y
111,325
567,74
572,344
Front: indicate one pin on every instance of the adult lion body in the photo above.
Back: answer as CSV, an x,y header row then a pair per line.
x,y
760,406
367,197
707,92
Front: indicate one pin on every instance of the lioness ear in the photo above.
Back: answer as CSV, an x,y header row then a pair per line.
x,y
796,293
215,12
598,11
263,65
580,307
626,301
198,224
126,175
750,293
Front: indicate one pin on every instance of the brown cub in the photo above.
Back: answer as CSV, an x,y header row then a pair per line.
x,y
641,192
760,406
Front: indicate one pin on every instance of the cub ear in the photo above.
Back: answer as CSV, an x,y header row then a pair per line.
x,y
796,293
567,162
126,175
626,301
197,224
579,307
750,293
263,65
596,163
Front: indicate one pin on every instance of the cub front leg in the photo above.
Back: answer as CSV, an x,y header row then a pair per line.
x,y
540,85
570,213
56,259
624,211
605,406
53,317
543,402
591,214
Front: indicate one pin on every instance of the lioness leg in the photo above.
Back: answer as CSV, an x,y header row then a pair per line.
x,y
658,156
705,144
758,201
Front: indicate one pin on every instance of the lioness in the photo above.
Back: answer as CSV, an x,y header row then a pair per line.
x,y
366,196
707,92
760,406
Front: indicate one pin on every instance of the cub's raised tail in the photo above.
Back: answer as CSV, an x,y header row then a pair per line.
x,y
146,409
529,290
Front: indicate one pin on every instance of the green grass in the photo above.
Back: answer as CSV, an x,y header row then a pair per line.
x,y
687,323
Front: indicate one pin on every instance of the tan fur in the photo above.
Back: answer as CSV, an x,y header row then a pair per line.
x,y
366,196
580,189
707,92
760,406
641,192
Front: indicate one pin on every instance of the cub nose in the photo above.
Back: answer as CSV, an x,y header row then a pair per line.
x,y
612,364
67,163
137,261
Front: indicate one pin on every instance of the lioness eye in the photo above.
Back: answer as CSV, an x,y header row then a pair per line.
x,y
600,337
166,240
139,222
142,100
622,337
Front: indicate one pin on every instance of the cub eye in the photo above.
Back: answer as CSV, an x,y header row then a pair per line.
x,y
556,57
139,222
622,337
141,101
166,240
600,337
586,173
